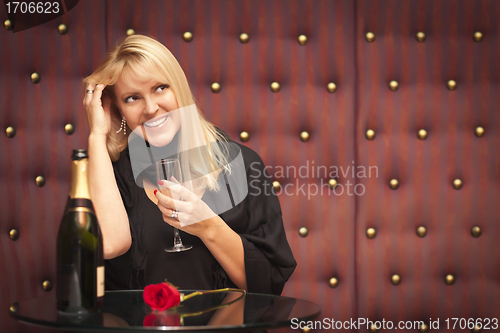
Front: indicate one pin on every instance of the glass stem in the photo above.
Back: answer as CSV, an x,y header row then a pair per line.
x,y
177,238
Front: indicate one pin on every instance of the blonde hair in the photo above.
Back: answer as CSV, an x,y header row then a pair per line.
x,y
144,58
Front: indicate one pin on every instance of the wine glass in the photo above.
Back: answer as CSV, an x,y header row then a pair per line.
x,y
165,169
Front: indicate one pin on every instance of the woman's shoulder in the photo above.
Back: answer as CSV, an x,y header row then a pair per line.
x,y
122,159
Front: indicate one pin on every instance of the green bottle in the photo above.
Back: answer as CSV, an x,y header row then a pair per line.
x,y
80,260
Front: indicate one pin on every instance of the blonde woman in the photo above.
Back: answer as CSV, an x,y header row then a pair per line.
x,y
140,91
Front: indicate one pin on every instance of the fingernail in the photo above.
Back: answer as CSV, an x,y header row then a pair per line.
x,y
160,182
156,191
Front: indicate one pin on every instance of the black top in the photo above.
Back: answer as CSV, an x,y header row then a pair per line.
x,y
257,219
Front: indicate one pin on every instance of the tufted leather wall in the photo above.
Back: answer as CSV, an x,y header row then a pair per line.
x,y
393,274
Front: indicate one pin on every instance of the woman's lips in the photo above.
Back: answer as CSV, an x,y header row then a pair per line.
x,y
157,124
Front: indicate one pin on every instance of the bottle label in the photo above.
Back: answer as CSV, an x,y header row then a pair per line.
x,y
100,281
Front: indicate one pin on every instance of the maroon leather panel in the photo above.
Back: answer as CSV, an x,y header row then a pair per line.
x,y
336,51
426,168
39,113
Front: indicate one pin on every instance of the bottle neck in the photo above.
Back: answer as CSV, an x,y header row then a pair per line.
x,y
79,180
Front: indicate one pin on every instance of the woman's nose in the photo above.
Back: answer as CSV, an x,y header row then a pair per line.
x,y
151,106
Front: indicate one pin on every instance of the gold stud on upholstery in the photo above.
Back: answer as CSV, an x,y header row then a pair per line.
x,y
457,184
332,183
331,87
303,232
424,328
7,24
452,85
478,36
14,307
14,234
450,279
370,37
334,282
277,186
420,36
244,38
62,29
47,285
395,279
10,131
479,131
421,231
371,233
304,136
370,134
69,129
130,32
275,87
422,134
35,77
393,85
306,330
475,231
244,136
373,329
215,87
394,184
40,181
302,40
187,36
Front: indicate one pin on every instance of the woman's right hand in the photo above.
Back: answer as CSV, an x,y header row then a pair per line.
x,y
98,108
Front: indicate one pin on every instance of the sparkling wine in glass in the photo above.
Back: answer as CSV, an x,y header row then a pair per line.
x,y
165,170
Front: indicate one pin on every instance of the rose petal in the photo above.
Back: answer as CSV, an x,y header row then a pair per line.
x,y
149,295
171,296
161,296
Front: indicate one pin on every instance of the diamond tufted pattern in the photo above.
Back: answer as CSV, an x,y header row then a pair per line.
x,y
378,65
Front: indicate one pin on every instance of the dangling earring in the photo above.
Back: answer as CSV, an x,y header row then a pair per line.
x,y
123,127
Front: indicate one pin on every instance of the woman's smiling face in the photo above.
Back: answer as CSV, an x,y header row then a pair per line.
x,y
146,106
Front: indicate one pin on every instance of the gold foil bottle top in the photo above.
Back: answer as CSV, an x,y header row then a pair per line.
x,y
79,175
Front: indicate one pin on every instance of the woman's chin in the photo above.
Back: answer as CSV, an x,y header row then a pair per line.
x,y
160,139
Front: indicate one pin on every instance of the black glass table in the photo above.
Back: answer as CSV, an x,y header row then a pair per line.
x,y
125,311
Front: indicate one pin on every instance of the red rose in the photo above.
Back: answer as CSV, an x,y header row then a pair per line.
x,y
162,319
161,296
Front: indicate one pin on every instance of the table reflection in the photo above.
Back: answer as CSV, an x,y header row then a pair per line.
x,y
126,311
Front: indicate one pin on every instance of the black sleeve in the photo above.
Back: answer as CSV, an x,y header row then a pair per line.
x,y
269,261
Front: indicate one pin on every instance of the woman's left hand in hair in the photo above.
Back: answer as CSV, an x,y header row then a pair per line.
x,y
194,215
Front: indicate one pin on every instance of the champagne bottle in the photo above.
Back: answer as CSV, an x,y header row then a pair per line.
x,y
80,260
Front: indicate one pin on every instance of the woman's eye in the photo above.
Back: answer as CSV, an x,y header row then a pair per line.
x,y
130,99
162,87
